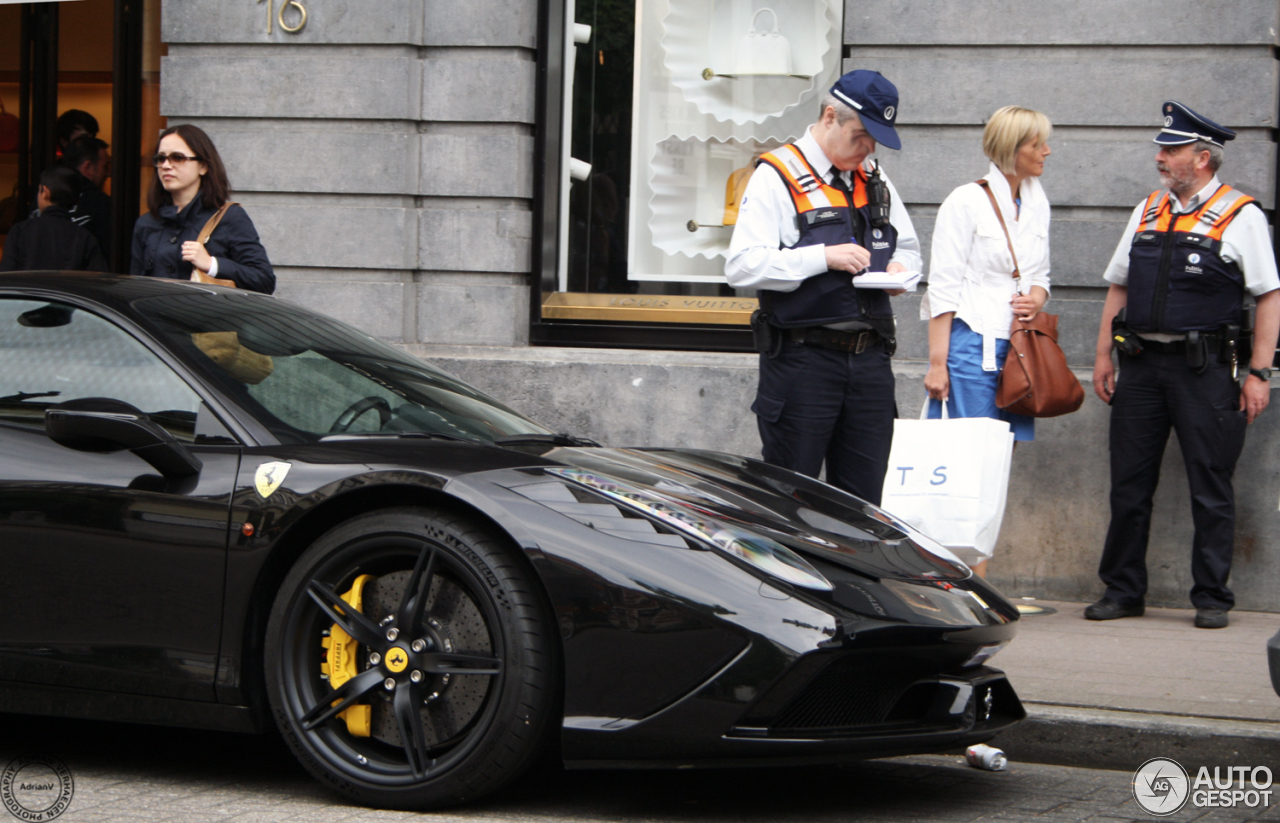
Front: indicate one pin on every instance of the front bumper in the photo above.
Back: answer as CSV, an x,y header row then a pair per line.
x,y
826,708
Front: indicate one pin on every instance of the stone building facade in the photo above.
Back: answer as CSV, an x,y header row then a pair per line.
x,y
389,154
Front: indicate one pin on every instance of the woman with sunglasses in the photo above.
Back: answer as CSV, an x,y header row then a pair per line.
x,y
189,188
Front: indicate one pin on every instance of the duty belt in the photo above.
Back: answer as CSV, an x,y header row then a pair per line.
x,y
848,341
1180,346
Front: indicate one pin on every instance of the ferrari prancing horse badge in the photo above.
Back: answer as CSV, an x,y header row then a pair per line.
x,y
269,476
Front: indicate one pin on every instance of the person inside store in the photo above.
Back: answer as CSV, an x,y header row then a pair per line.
x,y
91,159
74,123
816,213
51,240
973,294
71,125
189,190
1174,315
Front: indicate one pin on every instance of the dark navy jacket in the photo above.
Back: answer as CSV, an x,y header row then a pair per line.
x,y
51,241
157,246
93,212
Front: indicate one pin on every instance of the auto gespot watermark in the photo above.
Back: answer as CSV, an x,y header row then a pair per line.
x,y
1161,786
36,787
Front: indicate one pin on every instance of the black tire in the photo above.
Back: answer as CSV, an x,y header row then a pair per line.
x,y
474,720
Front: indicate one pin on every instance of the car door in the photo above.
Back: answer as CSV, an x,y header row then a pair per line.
x,y
112,574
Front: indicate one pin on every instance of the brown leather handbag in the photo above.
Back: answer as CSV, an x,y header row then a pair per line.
x,y
198,276
1036,380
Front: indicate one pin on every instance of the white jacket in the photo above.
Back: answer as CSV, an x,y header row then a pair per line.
x,y
970,268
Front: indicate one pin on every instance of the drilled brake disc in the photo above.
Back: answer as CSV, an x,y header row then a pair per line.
x,y
456,625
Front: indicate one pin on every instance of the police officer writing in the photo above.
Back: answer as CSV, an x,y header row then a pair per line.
x,y
1174,312
816,213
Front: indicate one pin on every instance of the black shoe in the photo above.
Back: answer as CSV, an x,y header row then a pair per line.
x,y
1211,619
1108,609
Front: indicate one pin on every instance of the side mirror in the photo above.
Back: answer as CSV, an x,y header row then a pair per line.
x,y
99,424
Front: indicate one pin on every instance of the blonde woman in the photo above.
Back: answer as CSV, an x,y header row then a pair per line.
x,y
973,296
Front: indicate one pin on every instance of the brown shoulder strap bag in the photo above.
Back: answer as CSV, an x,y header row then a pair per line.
x,y
198,276
1036,380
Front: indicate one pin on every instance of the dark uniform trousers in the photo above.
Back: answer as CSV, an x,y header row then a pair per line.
x,y
816,404
1157,391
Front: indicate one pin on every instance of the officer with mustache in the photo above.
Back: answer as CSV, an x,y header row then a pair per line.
x,y
1179,277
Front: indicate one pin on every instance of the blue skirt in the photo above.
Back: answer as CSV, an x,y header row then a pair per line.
x,y
973,391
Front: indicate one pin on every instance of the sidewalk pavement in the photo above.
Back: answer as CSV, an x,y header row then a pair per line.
x,y
1113,694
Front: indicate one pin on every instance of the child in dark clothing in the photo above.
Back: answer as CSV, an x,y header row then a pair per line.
x,y
50,240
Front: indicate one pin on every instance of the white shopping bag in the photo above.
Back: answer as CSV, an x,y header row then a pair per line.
x,y
949,480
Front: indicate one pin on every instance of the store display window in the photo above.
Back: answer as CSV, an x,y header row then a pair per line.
x,y
655,118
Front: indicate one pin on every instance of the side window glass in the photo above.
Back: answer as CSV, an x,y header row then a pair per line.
x,y
51,353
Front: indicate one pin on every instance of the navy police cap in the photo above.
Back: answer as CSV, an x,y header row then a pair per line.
x,y
1182,125
875,100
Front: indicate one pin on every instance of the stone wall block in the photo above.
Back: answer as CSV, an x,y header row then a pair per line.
x,y
376,308
478,90
318,161
1084,89
328,21
1080,172
477,165
481,23
1000,22
473,240
208,83
473,314
650,402
1080,250
336,236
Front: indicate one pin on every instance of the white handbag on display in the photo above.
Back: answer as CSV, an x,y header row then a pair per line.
x,y
949,480
763,52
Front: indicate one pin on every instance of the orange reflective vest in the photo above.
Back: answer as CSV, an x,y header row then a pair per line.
x,y
1178,280
824,217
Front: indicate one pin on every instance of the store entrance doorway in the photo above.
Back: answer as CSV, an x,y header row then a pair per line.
x,y
100,58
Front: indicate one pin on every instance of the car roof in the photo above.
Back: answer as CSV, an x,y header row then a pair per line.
x,y
116,291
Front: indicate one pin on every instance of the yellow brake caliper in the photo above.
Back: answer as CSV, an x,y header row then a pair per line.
x,y
340,662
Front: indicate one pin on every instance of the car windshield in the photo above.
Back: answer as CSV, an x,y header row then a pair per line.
x,y
306,376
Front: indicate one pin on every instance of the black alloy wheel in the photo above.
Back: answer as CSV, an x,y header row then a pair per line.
x,y
438,686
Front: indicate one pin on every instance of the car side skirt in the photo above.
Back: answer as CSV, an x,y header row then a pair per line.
x,y
53,701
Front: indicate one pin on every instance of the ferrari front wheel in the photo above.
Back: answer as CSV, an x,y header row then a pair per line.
x,y
408,660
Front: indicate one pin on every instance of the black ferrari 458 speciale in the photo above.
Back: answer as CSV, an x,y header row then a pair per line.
x,y
221,510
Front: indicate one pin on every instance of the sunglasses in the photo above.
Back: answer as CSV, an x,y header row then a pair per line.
x,y
176,158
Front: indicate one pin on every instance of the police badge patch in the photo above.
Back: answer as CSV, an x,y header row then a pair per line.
x,y
269,476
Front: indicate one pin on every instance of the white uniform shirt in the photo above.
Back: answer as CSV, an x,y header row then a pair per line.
x,y
1245,242
767,222
970,268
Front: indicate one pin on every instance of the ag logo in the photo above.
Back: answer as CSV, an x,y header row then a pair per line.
x,y
1168,121
397,659
1193,258
269,476
877,234
1161,786
889,112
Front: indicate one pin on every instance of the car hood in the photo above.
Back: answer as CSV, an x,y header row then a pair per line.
x,y
803,514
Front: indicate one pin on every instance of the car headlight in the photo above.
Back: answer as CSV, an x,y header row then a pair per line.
x,y
762,552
